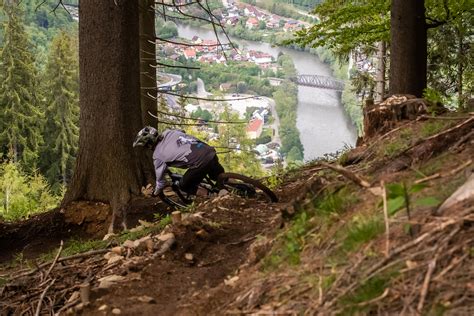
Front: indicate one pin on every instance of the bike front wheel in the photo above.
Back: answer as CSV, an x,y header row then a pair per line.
x,y
245,186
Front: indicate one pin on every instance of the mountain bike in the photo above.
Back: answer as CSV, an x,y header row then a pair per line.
x,y
234,183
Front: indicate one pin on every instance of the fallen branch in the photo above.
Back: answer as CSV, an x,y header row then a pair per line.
x,y
54,261
68,305
38,307
454,263
376,268
382,265
348,174
77,256
385,216
243,241
445,174
320,285
469,120
461,141
447,131
343,273
211,263
426,284
426,117
375,300
429,178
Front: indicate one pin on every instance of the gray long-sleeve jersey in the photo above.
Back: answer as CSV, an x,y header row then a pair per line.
x,y
177,149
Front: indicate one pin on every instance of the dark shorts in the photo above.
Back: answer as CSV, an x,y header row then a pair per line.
x,y
193,176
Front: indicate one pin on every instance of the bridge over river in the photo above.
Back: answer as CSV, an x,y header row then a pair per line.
x,y
317,81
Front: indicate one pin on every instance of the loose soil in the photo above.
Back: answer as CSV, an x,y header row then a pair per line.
x,y
173,281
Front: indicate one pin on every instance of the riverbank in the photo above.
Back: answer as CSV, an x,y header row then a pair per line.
x,y
323,125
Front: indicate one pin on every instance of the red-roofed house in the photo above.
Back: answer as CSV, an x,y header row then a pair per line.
x,y
251,23
189,53
259,57
254,128
273,23
291,25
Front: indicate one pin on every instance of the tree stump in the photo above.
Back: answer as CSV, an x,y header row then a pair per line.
x,y
380,118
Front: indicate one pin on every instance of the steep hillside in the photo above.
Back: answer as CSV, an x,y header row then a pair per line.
x,y
362,234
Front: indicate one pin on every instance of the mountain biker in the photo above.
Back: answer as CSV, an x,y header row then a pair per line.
x,y
175,148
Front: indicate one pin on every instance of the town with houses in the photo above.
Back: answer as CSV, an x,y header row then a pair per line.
x,y
211,51
236,11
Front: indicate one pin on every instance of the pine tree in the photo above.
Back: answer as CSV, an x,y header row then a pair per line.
x,y
20,116
62,110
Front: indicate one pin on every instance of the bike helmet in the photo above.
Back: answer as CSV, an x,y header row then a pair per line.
x,y
147,136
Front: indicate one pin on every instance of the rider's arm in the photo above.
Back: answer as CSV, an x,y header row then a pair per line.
x,y
160,169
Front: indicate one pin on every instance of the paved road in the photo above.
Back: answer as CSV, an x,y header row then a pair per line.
x,y
172,79
201,89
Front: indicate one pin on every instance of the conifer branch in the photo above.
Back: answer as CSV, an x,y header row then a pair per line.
x,y
195,119
198,98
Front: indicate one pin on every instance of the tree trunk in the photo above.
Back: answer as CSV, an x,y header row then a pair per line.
x,y
107,167
460,67
148,83
408,48
380,76
147,60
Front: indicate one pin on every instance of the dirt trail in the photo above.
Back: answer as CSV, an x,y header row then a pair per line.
x,y
230,225
172,280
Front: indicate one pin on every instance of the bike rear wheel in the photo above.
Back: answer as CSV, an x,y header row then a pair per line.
x,y
245,186
180,199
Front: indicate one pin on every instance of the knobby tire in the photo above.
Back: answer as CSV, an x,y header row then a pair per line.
x,y
226,176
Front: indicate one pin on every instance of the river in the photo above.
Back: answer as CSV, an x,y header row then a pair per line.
x,y
324,126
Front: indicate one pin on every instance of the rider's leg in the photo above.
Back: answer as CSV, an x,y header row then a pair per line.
x,y
193,176
215,169
191,179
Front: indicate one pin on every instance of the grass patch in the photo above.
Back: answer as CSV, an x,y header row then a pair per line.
x,y
267,131
395,147
293,240
75,246
435,164
438,309
371,289
328,280
334,202
361,230
290,244
128,235
432,127
406,134
18,262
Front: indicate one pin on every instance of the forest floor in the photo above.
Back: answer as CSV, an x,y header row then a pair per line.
x,y
322,249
